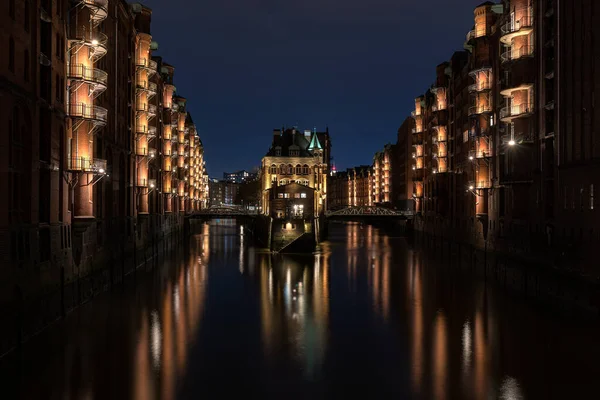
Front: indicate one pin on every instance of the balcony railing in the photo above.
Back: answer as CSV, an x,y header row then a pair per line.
x,y
91,165
146,63
95,40
480,86
88,74
515,54
476,110
516,110
476,33
152,109
152,87
479,154
513,28
87,111
98,10
480,184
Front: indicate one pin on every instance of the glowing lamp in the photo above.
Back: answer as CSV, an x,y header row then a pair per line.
x,y
511,142
95,42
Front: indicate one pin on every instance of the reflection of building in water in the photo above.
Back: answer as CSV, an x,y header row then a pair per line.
x,y
167,333
440,356
295,307
415,292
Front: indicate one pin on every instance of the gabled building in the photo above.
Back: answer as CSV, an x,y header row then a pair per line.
x,y
300,157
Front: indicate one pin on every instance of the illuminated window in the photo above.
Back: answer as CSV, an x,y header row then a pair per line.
x,y
286,195
296,195
302,195
280,195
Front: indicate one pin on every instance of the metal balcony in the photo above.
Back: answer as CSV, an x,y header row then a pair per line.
x,y
477,110
152,109
149,65
151,132
511,112
481,86
516,54
88,112
96,78
479,154
98,9
97,42
476,33
480,184
519,27
87,165
152,88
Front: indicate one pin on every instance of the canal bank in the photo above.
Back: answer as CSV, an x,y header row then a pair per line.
x,y
118,261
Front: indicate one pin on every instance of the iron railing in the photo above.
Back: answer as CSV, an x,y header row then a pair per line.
x,y
80,71
93,165
516,110
515,54
87,111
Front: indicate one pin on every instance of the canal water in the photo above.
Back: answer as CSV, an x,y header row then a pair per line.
x,y
366,316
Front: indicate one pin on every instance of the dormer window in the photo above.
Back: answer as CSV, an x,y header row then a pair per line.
x,y
294,153
277,151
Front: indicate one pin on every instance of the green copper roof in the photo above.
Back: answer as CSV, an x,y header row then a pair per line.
x,y
314,143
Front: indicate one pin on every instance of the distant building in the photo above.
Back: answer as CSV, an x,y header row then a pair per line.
x,y
222,192
295,157
402,176
351,188
384,163
239,176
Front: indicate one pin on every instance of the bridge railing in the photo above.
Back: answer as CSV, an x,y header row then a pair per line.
x,y
369,211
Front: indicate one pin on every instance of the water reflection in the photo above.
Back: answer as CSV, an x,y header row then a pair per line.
x,y
294,297
366,310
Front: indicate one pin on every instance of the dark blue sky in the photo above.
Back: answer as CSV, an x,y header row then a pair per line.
x,y
248,66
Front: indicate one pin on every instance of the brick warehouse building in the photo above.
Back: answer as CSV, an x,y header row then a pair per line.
x,y
351,188
88,151
504,143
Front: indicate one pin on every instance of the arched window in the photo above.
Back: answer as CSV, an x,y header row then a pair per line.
x,y
282,169
273,169
305,171
290,169
298,169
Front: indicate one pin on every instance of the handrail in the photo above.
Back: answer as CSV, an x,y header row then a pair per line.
x,y
92,37
515,110
514,54
96,165
474,110
87,111
526,21
80,71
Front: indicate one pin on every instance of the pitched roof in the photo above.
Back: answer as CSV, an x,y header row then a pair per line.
x,y
314,143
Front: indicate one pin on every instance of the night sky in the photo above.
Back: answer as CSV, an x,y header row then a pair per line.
x,y
248,66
